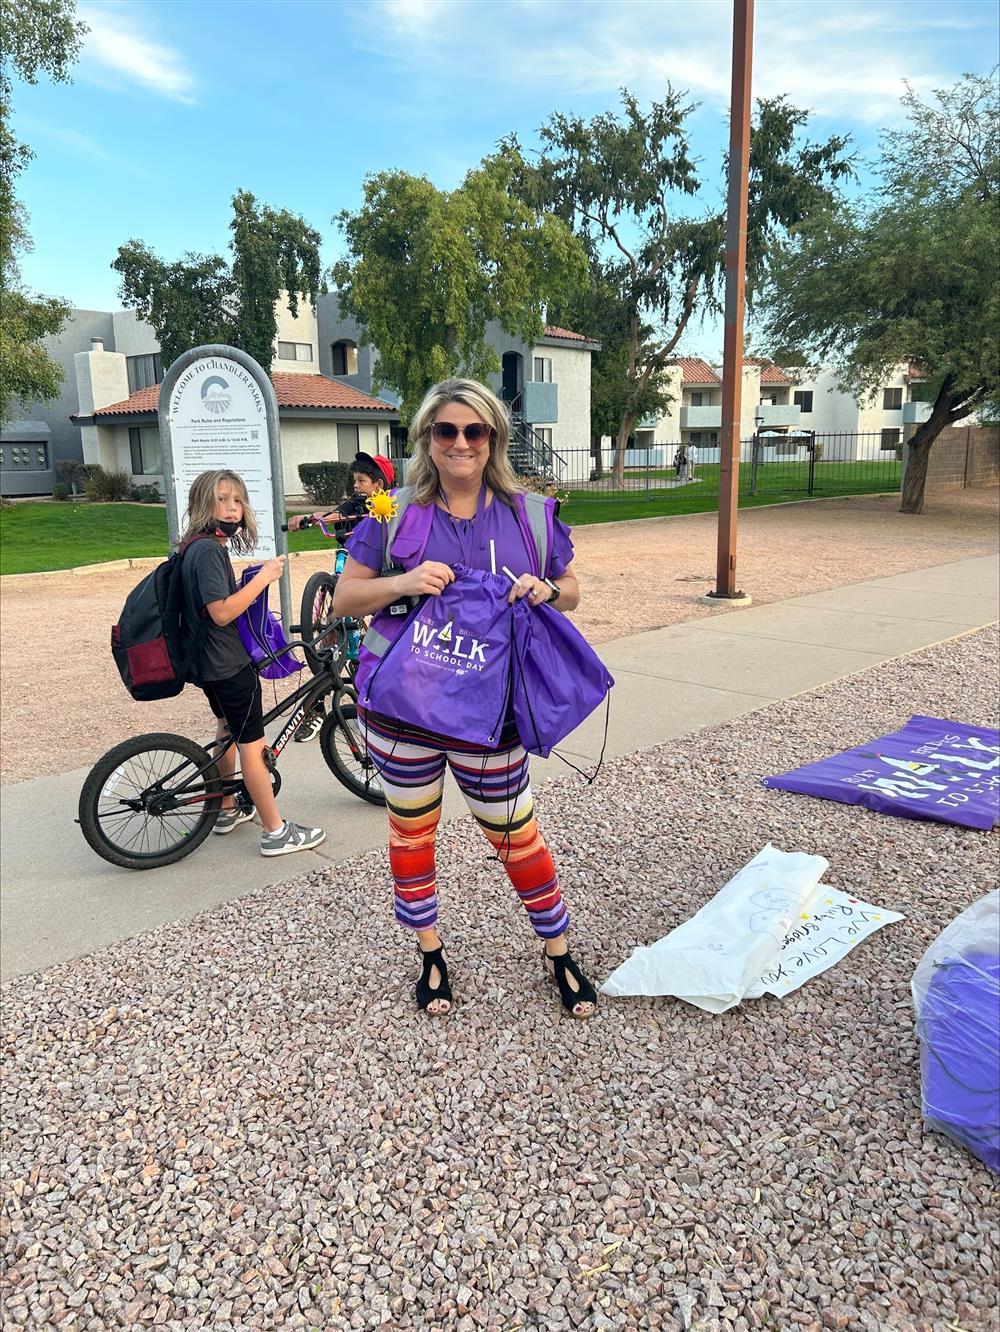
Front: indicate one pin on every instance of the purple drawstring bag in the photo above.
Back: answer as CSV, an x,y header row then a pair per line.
x,y
558,677
263,637
448,669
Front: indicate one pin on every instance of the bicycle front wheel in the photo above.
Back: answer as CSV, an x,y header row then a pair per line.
x,y
343,744
144,803
320,628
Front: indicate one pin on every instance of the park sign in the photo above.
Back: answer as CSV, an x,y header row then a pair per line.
x,y
217,410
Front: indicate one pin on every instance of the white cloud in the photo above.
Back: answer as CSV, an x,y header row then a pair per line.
x,y
121,47
846,60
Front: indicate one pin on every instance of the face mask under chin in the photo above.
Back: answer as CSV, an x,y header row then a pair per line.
x,y
227,526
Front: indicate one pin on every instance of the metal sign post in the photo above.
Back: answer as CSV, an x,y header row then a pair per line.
x,y
218,410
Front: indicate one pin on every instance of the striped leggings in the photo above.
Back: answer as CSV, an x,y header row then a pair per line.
x,y
411,764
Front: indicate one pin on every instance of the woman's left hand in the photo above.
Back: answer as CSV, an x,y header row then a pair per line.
x,y
537,591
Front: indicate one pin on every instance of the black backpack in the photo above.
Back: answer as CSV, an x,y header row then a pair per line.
x,y
147,643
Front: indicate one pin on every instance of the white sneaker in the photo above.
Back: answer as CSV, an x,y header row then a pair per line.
x,y
290,837
230,819
310,727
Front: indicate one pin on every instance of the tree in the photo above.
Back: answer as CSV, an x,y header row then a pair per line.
x,y
427,269
201,298
36,36
625,183
912,272
599,311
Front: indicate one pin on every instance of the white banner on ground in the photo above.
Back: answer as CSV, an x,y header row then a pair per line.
x,y
771,927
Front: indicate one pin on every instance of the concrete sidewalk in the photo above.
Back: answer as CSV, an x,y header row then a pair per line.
x,y
59,900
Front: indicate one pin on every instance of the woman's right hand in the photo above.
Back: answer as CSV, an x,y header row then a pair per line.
x,y
430,578
271,570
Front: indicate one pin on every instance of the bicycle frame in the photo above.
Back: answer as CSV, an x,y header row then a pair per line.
x,y
301,701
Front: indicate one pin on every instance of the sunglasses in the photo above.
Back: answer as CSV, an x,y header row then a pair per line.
x,y
446,431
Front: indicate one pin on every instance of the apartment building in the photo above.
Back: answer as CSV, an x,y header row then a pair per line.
x,y
323,378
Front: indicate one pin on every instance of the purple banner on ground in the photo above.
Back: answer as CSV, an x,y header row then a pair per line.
x,y
931,769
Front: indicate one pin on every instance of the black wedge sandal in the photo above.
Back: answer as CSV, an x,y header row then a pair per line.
x,y
585,994
427,993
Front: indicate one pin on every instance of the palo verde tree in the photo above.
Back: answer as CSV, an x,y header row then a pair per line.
x,y
912,272
202,298
427,269
630,188
36,37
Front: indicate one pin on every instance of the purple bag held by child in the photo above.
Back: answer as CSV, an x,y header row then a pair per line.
x,y
558,677
263,637
448,670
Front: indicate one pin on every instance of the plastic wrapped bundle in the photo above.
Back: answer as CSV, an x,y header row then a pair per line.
x,y
956,994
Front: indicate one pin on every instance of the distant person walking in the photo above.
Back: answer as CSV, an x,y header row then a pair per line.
x,y
679,461
692,458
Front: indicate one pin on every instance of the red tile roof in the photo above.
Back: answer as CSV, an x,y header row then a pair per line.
x,y
291,391
696,371
551,331
769,372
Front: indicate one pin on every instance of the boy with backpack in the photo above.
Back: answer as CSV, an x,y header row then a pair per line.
x,y
220,514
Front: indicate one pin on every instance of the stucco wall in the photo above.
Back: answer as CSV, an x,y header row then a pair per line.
x,y
133,336
304,441
82,325
302,327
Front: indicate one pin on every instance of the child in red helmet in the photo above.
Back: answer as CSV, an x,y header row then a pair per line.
x,y
371,474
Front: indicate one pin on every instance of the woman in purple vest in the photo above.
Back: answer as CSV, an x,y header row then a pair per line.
x,y
460,469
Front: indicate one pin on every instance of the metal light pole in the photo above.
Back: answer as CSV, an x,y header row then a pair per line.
x,y
736,256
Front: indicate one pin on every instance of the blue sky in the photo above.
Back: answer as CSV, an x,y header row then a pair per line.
x,y
175,104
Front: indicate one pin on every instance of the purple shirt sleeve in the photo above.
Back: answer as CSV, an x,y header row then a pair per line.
x,y
562,549
367,543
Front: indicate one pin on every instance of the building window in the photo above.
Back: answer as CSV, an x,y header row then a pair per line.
x,y
803,399
543,370
706,438
890,439
345,358
144,446
347,441
701,399
295,351
544,433
892,399
144,371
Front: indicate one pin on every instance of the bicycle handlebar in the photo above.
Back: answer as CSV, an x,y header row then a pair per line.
x,y
309,521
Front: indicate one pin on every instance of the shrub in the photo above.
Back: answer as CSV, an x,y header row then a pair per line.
x,y
70,472
325,482
145,494
818,453
542,485
60,491
107,487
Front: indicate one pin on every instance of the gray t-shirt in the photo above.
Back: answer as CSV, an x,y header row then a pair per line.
x,y
208,576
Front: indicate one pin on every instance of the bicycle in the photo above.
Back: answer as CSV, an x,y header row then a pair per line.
x,y
141,809
317,621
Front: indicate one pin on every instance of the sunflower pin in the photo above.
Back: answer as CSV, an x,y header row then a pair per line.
x,y
382,506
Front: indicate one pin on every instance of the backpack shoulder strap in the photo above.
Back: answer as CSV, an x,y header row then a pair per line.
x,y
535,514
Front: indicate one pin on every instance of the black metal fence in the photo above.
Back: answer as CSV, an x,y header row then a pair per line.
x,y
684,478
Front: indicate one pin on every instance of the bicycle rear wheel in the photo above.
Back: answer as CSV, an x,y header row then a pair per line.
x,y
347,757
144,805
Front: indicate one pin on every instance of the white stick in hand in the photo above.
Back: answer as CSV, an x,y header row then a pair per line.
x,y
513,577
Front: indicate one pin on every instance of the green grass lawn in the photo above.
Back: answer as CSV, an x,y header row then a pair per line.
x,y
48,535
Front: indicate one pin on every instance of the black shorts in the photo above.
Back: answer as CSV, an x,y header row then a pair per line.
x,y
237,701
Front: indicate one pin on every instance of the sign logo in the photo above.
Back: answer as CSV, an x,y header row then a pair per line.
x,y
215,395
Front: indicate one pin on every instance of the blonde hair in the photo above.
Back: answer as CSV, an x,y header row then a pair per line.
x,y
421,473
201,508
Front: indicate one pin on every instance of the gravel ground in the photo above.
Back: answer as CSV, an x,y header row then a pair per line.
x,y
240,1121
634,576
